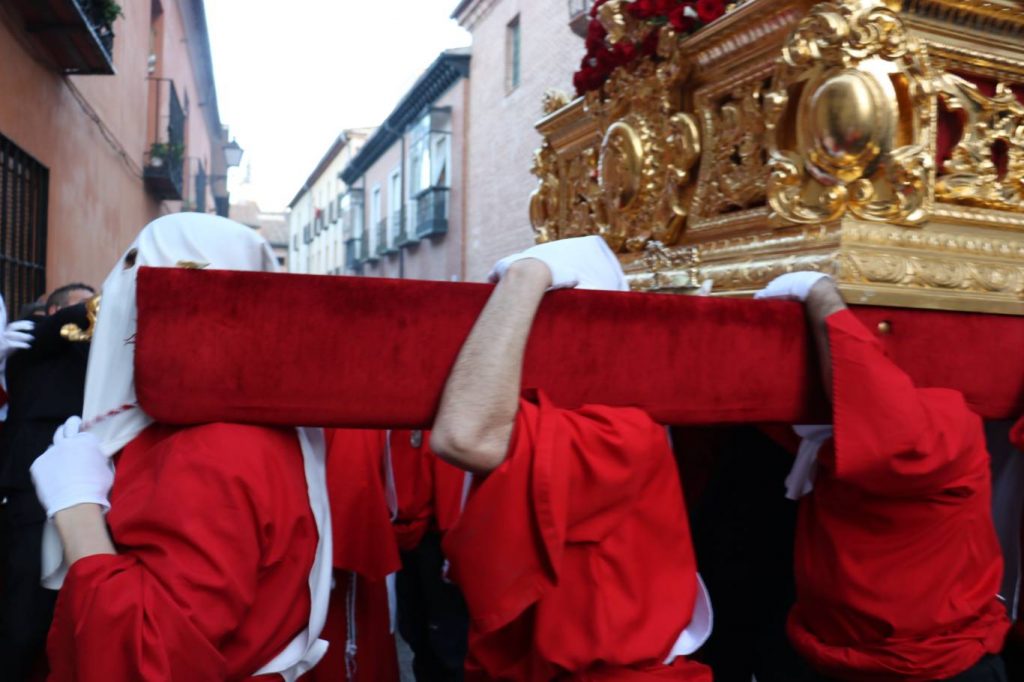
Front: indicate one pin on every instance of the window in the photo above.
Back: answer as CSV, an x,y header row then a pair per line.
x,y
513,54
375,218
395,206
353,228
429,150
201,189
24,184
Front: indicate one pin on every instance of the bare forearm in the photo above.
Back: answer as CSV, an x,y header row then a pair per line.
x,y
822,301
478,407
83,532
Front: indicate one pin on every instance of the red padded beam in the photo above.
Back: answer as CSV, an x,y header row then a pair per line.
x,y
368,352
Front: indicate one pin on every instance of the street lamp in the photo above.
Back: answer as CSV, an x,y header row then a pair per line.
x,y
233,154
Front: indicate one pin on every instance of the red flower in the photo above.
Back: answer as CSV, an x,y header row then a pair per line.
x,y
595,36
624,52
649,46
595,7
681,22
662,7
642,9
709,10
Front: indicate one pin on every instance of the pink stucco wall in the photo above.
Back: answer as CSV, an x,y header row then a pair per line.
x,y
97,202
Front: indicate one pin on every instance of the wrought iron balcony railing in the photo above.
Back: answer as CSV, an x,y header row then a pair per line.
x,y
432,212
383,245
352,260
164,162
77,35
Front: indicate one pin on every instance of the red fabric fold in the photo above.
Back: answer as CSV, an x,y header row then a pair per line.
x,y
376,658
364,540
575,553
215,540
413,466
897,561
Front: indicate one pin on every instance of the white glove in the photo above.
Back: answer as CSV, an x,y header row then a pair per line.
x,y
794,286
73,470
15,335
581,262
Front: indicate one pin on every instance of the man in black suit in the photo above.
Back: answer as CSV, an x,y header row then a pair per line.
x,y
45,386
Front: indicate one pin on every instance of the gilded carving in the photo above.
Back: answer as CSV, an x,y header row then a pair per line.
x,y
849,118
554,100
734,171
636,185
75,334
785,139
971,176
544,208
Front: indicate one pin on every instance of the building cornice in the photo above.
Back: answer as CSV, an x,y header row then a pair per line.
x,y
450,67
468,13
201,57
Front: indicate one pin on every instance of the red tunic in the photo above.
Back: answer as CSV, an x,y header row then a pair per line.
x,y
1017,439
897,561
413,466
365,552
448,491
215,539
574,555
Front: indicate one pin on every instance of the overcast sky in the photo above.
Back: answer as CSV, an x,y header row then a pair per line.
x,y
291,75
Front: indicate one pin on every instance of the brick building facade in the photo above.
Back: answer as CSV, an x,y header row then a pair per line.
x,y
521,48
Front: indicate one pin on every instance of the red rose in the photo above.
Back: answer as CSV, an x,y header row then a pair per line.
x,y
642,9
624,52
595,7
595,36
649,46
662,7
680,21
578,80
709,10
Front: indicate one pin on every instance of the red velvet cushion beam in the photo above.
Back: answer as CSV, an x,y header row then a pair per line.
x,y
375,353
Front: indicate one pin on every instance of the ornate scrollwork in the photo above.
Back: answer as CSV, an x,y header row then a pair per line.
x,y
554,100
816,148
544,200
75,334
849,118
635,186
971,176
734,166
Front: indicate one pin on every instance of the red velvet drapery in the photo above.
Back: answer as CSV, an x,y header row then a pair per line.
x,y
365,352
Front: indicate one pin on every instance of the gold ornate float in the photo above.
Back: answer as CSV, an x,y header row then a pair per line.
x,y
877,140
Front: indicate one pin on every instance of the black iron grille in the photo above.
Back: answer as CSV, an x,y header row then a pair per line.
x,y
24,183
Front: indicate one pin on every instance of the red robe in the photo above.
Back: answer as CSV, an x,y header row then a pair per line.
x,y
897,561
413,467
215,543
365,551
430,491
574,555
1017,439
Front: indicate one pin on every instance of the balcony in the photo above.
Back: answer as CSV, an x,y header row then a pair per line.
x,y
579,16
352,261
402,234
382,238
163,167
363,251
76,34
432,212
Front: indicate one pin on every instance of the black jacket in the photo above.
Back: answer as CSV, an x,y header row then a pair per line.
x,y
45,386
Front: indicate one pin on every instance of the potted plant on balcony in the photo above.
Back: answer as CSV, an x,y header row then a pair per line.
x,y
102,15
164,153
